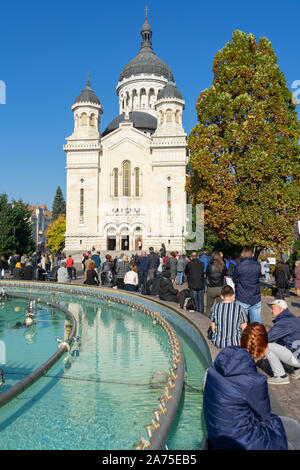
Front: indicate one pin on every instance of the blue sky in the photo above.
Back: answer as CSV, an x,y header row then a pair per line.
x,y
48,48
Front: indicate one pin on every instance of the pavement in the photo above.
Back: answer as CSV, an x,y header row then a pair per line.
x,y
285,399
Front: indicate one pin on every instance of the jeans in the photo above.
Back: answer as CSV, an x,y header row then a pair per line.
x,y
254,311
281,292
70,272
198,296
142,279
267,277
179,277
277,354
152,273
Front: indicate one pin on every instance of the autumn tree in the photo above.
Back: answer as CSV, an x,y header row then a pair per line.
x,y
59,204
55,234
244,150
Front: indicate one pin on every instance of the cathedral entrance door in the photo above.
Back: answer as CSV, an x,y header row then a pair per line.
x,y
125,242
111,242
138,243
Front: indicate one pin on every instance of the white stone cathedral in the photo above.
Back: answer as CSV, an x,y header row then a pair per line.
x,y
126,186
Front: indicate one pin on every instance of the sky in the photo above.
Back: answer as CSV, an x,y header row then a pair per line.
x,y
47,48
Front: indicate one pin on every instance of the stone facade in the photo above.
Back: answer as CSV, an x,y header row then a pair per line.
x,y
126,188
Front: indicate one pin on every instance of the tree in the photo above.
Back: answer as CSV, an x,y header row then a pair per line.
x,y
15,227
244,151
59,204
56,234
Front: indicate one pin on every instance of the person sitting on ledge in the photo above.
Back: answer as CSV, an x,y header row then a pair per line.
x,y
131,280
91,275
62,274
166,289
284,343
228,319
236,401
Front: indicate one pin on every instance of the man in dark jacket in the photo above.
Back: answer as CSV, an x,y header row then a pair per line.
x,y
246,277
153,263
143,266
166,289
284,343
194,271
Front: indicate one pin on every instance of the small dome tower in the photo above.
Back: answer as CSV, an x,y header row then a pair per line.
x,y
87,111
169,107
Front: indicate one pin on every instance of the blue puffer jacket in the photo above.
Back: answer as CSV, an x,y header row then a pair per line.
x,y
143,263
246,276
237,406
286,331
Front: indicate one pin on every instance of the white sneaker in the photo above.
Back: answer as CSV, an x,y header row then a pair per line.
x,y
296,374
279,380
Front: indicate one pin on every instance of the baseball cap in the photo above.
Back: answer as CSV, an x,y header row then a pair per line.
x,y
281,303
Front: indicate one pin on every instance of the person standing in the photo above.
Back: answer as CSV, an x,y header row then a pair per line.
x,y
97,260
143,266
267,271
87,263
246,277
215,277
288,277
153,264
280,280
70,264
181,263
172,265
107,276
122,268
297,277
194,271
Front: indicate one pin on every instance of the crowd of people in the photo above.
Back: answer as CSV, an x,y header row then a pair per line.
x,y
236,400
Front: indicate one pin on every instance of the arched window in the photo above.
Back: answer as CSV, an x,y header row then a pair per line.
x,y
177,116
92,120
169,115
83,119
115,182
161,117
137,181
126,178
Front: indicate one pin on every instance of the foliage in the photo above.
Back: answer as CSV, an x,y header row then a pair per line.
x,y
56,234
15,227
59,204
295,256
244,151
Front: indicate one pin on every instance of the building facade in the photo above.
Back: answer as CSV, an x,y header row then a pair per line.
x,y
40,220
126,186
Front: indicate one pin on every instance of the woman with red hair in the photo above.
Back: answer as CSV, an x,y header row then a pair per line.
x,y
236,400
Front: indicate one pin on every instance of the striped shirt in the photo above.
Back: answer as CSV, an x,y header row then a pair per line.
x,y
227,318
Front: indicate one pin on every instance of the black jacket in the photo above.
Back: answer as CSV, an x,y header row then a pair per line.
x,y
194,271
153,260
214,277
166,289
91,277
280,275
28,273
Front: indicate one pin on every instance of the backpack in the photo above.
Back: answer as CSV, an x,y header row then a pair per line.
x,y
188,304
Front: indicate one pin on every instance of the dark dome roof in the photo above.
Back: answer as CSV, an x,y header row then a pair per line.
x,y
146,62
87,95
142,121
169,91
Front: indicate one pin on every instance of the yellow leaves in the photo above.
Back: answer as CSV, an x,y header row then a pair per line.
x,y
56,234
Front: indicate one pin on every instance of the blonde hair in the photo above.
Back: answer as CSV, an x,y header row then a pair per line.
x,y
125,258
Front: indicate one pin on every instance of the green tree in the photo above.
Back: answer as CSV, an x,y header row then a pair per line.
x,y
244,151
15,227
59,204
56,234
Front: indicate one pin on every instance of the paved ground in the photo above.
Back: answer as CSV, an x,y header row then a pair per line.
x,y
285,399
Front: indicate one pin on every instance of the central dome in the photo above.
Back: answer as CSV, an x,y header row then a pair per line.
x,y
146,61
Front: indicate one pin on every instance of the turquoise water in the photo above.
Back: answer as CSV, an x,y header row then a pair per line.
x,y
99,397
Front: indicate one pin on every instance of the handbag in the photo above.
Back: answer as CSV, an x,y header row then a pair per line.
x,y
209,333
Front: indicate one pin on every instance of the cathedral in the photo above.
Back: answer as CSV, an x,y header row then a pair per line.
x,y
126,185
